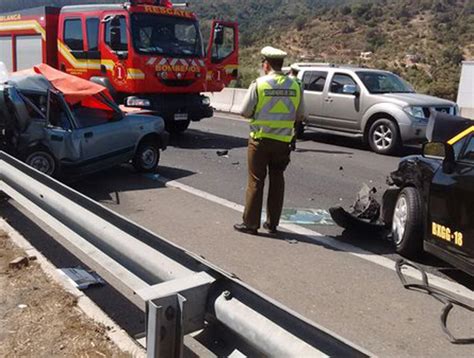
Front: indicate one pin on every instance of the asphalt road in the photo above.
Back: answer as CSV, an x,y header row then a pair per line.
x,y
351,290
325,171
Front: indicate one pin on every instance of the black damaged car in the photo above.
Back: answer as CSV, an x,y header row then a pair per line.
x,y
432,206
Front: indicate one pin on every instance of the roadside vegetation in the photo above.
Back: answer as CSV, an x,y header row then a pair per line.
x,y
424,41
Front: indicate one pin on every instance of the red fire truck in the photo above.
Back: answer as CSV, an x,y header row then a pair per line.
x,y
148,53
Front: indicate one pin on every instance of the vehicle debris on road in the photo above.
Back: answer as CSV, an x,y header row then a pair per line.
x,y
81,278
222,153
364,214
306,216
19,262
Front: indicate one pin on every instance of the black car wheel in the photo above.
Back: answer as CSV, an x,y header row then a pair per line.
x,y
147,157
384,136
176,127
407,223
43,161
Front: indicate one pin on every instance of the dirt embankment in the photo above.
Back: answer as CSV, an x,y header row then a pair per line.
x,y
39,319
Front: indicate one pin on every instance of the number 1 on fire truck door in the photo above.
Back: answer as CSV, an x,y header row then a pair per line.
x,y
117,46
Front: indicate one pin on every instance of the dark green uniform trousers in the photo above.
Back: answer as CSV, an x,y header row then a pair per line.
x,y
274,156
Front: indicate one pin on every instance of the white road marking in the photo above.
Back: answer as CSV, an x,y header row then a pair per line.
x,y
434,280
236,118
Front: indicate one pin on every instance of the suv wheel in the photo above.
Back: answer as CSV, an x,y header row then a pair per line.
x,y
147,157
407,223
42,160
384,136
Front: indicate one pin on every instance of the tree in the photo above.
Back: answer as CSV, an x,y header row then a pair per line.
x,y
300,22
345,10
453,54
375,38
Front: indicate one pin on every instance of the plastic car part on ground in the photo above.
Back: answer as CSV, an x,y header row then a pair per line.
x,y
81,278
364,216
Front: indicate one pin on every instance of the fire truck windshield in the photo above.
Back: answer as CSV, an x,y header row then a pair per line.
x,y
166,35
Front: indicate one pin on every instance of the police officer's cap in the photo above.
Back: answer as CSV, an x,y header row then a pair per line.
x,y
273,53
295,67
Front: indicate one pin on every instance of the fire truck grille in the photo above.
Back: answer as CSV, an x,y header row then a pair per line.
x,y
178,83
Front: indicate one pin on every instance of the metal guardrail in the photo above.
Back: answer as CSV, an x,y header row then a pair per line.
x,y
180,292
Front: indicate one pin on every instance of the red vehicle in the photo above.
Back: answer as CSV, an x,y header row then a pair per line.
x,y
149,54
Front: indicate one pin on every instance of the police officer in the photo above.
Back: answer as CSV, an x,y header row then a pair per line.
x,y
294,70
273,103
299,126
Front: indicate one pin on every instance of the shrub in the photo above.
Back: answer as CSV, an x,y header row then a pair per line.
x,y
345,10
300,22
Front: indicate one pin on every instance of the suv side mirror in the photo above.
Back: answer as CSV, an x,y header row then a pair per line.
x,y
350,89
440,150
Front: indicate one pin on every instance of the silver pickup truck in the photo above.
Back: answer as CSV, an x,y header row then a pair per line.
x,y
376,106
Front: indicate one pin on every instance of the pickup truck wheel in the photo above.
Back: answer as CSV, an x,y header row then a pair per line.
x,y
43,161
299,130
176,127
147,157
384,136
407,223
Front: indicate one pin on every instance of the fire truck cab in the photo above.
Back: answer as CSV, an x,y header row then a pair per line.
x,y
148,54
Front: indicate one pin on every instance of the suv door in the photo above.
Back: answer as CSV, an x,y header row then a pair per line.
x,y
451,207
313,85
341,111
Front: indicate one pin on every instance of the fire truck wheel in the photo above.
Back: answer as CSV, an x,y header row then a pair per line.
x,y
176,127
42,160
407,223
147,157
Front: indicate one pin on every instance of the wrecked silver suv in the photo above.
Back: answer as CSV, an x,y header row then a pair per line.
x,y
58,135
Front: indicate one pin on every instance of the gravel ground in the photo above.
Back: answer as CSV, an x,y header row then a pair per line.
x,y
39,319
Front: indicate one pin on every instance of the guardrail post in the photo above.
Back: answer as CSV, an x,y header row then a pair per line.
x,y
165,326
174,309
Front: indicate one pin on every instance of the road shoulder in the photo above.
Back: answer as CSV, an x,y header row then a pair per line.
x,y
43,314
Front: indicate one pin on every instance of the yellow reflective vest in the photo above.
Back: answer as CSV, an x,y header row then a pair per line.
x,y
278,100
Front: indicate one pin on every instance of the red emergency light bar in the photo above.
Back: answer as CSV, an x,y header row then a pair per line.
x,y
165,3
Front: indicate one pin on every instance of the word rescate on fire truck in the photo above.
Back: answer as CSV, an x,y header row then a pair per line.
x,y
149,54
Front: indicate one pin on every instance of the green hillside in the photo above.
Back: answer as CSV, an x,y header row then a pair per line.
x,y
422,40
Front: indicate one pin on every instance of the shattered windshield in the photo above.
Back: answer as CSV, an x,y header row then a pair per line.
x,y
165,35
384,82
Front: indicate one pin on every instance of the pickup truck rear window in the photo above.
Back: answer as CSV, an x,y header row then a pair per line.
x,y
314,80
